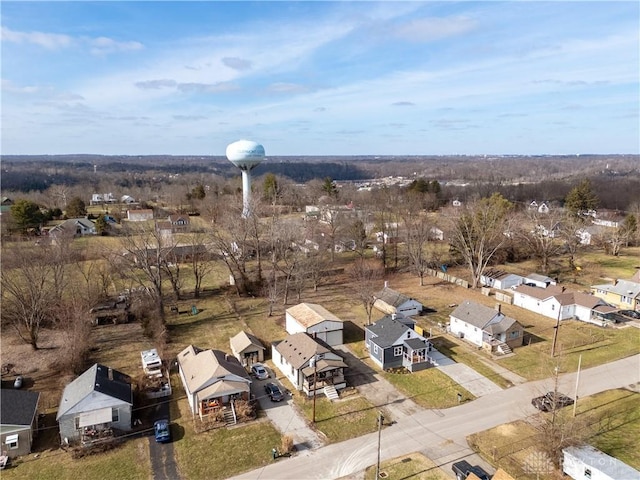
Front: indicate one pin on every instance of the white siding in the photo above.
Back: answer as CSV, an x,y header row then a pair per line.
x,y
471,334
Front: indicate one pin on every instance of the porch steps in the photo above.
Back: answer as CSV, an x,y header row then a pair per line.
x,y
229,417
331,393
504,349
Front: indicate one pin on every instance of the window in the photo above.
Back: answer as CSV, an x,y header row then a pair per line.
x,y
77,422
11,441
375,348
515,334
587,473
115,415
397,351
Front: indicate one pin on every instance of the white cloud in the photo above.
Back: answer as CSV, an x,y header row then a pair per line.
x,y
50,41
104,45
433,28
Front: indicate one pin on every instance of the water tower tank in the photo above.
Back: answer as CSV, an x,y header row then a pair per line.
x,y
245,154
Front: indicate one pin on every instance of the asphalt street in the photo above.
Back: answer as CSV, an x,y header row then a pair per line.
x,y
442,433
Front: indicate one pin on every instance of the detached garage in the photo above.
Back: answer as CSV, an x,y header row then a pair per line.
x,y
316,321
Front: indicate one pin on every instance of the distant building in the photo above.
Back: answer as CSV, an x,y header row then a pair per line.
x,y
141,215
587,462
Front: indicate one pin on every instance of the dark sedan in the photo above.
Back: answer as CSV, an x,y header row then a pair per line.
x,y
274,392
551,401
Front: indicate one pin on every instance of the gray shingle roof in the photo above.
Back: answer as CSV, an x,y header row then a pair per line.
x,y
391,297
18,407
387,331
96,379
483,317
298,348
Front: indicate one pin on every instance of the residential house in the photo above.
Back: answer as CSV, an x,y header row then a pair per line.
x,y
94,404
586,462
436,234
486,327
315,320
212,380
5,205
389,301
247,348
559,303
625,294
179,222
393,343
127,199
456,203
500,279
538,280
18,421
141,215
99,198
76,227
303,359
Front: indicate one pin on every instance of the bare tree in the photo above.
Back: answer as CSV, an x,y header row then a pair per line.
x,y
479,231
31,288
200,252
539,232
364,281
418,230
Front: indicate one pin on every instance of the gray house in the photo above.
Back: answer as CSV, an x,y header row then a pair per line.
x,y
18,422
74,227
94,404
392,344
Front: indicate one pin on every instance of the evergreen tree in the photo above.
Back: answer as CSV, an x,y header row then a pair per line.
x,y
26,214
76,208
581,198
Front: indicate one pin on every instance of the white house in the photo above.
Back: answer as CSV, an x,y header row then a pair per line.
x,y
212,380
500,279
301,358
538,280
486,327
315,320
141,215
389,301
557,302
586,462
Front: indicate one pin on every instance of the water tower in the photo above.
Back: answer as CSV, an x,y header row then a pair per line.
x,y
246,155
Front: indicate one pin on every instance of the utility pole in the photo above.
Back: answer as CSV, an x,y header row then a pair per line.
x,y
380,420
555,333
314,363
575,395
554,406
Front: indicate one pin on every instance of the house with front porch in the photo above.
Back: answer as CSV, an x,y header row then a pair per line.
x,y
486,327
309,364
212,381
390,301
315,320
95,405
393,343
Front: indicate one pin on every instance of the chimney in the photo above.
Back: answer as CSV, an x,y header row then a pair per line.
x,y
110,374
499,308
386,284
393,316
563,289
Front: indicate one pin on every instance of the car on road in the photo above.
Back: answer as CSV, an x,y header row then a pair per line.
x,y
17,383
630,314
551,401
274,392
258,370
463,469
161,431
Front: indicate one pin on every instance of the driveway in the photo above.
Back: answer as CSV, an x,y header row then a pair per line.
x,y
163,461
285,416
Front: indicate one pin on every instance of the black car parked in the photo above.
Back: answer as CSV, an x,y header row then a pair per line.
x,y
274,392
551,400
463,469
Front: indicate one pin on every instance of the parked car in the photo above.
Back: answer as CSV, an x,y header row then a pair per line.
x,y
161,431
258,370
274,392
551,400
463,469
17,383
630,313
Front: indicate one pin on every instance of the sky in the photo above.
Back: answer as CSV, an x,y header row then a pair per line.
x,y
320,78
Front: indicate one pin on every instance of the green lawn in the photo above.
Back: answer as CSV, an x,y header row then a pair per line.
x,y
429,388
128,461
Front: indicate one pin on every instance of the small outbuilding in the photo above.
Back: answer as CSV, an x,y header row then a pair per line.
x,y
247,348
500,279
389,301
316,321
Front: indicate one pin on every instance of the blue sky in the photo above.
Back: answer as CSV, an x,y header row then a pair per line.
x,y
321,78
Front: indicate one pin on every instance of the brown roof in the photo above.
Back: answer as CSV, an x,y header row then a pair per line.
x,y
540,293
200,366
310,314
501,475
243,340
298,348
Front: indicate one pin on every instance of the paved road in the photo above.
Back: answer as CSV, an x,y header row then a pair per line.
x,y
443,433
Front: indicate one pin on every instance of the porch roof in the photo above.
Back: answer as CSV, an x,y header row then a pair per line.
x,y
222,388
416,344
324,366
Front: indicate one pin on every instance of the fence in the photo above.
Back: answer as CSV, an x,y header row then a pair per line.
x,y
448,278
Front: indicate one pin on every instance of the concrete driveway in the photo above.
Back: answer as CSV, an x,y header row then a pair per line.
x,y
285,416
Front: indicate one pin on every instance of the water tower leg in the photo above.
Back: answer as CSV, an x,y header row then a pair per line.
x,y
246,193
